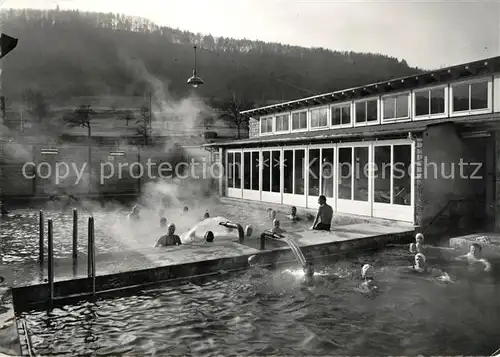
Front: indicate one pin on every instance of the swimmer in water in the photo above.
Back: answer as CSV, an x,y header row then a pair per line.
x,y
209,237
276,227
185,209
420,267
170,238
418,246
163,222
293,214
368,283
206,215
135,214
474,257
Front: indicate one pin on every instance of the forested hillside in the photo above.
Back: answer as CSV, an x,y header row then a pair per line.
x,y
68,53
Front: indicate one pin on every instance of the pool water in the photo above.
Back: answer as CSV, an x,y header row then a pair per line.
x,y
260,312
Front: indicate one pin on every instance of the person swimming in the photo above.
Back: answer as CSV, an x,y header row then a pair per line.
x,y
420,267
206,215
209,237
368,283
418,246
135,214
475,257
185,209
293,214
276,227
163,222
170,238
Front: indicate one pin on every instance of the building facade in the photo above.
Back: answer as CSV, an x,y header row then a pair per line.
x,y
419,149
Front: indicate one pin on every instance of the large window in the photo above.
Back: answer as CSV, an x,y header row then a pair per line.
x,y
345,173
266,171
396,107
288,171
299,121
319,117
327,172
366,112
314,172
230,169
401,175
360,173
247,171
255,171
293,171
299,168
237,170
275,171
266,125
341,115
382,174
430,102
392,174
282,122
470,96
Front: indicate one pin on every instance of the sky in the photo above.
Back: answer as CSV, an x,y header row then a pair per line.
x,y
427,34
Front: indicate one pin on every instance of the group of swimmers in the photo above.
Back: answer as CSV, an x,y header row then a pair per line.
x,y
473,257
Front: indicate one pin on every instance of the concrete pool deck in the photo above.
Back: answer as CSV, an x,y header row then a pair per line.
x,y
126,269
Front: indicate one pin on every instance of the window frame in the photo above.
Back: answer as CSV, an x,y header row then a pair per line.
x,y
323,127
488,80
276,131
272,125
431,116
292,130
364,100
395,119
340,105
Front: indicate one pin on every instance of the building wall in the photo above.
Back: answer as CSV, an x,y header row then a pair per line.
x,y
253,127
440,180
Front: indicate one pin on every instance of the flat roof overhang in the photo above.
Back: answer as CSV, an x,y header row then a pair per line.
x,y
491,121
462,71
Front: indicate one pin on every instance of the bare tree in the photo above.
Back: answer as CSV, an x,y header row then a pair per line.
x,y
81,116
231,110
144,124
127,116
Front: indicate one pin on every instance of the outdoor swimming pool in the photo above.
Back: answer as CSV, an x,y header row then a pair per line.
x,y
277,314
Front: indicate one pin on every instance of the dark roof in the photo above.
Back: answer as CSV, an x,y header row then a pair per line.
x,y
379,130
460,71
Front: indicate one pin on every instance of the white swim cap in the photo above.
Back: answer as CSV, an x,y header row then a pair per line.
x,y
364,269
248,230
421,256
419,236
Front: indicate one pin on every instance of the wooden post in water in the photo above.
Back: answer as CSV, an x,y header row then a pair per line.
x,y
89,248
50,269
75,235
93,257
40,237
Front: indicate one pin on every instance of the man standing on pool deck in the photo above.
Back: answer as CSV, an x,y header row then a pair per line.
x,y
323,219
